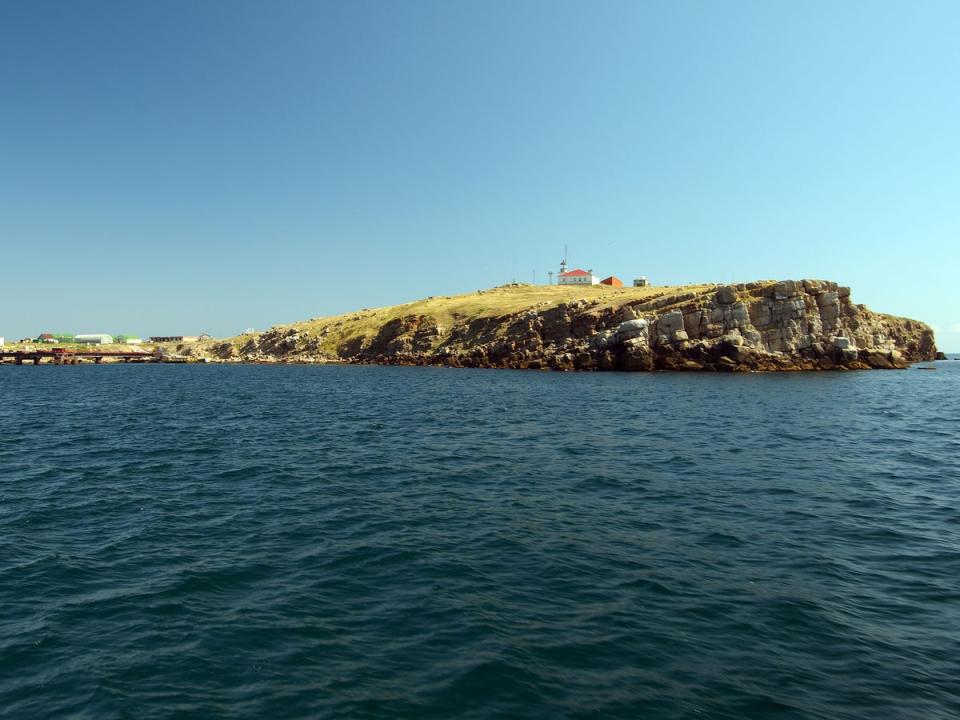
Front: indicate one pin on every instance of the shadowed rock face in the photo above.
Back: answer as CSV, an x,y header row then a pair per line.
x,y
787,325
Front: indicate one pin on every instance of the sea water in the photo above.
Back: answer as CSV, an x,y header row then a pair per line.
x,y
311,542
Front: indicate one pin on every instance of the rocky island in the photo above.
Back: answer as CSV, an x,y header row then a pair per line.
x,y
756,326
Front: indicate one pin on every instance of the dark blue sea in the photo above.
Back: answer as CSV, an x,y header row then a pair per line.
x,y
376,542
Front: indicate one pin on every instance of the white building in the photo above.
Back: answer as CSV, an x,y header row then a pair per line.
x,y
93,339
174,338
578,277
640,281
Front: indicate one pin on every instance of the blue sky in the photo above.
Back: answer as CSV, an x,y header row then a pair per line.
x,y
184,166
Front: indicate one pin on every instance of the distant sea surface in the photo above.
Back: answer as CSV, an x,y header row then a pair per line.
x,y
376,542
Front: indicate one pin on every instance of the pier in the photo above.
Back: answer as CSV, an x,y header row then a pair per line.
x,y
63,356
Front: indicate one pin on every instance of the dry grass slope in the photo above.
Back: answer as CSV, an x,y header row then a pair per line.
x,y
335,331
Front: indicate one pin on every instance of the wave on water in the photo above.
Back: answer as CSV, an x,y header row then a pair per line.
x,y
303,542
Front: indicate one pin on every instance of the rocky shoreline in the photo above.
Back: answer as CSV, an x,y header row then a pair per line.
x,y
761,326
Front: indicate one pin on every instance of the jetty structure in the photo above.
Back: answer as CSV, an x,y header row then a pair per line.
x,y
64,356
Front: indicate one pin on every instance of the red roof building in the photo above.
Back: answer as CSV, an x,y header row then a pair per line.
x,y
578,277
612,281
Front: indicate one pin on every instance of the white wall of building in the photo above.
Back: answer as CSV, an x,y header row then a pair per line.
x,y
578,280
93,339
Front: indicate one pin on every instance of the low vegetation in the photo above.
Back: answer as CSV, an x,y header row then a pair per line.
x,y
335,332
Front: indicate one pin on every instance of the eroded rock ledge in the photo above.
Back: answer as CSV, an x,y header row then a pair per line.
x,y
761,326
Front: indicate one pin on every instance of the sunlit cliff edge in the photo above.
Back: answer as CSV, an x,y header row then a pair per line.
x,y
765,325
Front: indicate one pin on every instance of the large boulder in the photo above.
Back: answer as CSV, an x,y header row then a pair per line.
x,y
632,329
636,355
726,295
785,289
668,325
827,298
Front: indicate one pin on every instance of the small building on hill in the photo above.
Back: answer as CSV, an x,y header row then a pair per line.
x,y
578,277
640,282
612,281
174,338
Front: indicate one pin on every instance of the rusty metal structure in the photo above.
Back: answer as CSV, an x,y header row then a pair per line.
x,y
63,356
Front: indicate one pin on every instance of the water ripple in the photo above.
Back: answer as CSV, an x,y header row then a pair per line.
x,y
297,542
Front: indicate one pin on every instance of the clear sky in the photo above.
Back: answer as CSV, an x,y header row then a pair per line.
x,y
190,165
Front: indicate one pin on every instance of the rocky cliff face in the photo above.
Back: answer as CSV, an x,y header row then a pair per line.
x,y
787,325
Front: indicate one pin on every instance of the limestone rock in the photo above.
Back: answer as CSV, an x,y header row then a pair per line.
x,y
636,356
785,325
632,329
726,295
785,289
